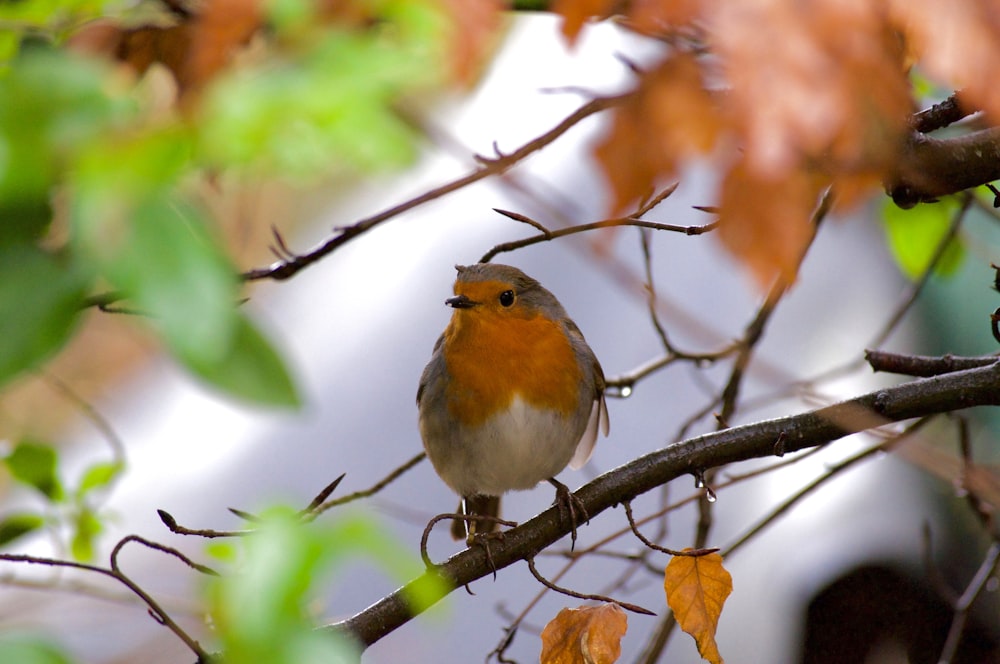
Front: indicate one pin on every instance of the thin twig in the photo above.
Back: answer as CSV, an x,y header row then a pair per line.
x,y
375,488
976,585
517,216
322,495
755,330
100,422
488,167
922,365
693,553
174,527
634,608
596,225
156,611
832,472
162,548
940,115
647,262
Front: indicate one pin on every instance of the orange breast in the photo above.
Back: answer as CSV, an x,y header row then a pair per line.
x,y
492,358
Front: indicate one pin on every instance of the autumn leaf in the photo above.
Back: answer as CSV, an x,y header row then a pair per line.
x,y
767,222
475,28
586,635
575,13
671,117
945,42
697,587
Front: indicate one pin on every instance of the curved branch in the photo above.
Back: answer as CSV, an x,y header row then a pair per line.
x,y
929,396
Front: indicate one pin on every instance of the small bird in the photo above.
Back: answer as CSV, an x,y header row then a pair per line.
x,y
511,395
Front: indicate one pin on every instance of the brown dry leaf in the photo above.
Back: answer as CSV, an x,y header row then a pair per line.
x,y
954,44
575,13
801,79
697,588
814,91
476,24
658,17
139,48
767,222
193,47
222,27
671,117
586,635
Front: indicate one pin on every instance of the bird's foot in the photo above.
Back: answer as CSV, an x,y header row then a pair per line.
x,y
570,508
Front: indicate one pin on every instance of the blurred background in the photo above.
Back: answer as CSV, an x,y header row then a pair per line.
x,y
846,566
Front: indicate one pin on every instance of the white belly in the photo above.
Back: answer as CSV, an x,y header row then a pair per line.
x,y
516,449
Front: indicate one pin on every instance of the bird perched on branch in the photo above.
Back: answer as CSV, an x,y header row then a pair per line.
x,y
511,396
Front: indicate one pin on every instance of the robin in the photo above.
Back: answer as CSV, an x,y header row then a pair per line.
x,y
512,394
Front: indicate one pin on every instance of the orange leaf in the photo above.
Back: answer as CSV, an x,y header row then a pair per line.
x,y
577,12
947,42
766,222
671,117
475,27
697,587
656,17
587,635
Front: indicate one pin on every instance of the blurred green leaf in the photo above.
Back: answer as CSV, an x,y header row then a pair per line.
x,y
251,369
331,107
222,550
36,465
20,649
13,526
86,527
262,615
40,295
160,253
364,538
99,475
53,103
915,234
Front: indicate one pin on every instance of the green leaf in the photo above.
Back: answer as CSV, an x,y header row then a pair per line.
x,y
86,528
36,465
333,107
99,475
161,254
29,650
54,103
17,525
262,614
915,234
250,369
40,296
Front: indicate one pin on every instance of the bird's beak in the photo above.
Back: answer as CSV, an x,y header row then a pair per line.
x,y
460,302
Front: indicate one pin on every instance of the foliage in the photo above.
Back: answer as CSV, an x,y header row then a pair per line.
x,y
78,144
797,100
35,464
261,608
27,650
697,588
586,634
914,236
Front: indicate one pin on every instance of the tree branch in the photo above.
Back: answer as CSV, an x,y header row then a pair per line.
x,y
919,398
930,167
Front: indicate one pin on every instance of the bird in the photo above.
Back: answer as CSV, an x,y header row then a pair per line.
x,y
511,396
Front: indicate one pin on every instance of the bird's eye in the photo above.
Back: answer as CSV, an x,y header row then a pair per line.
x,y
507,298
